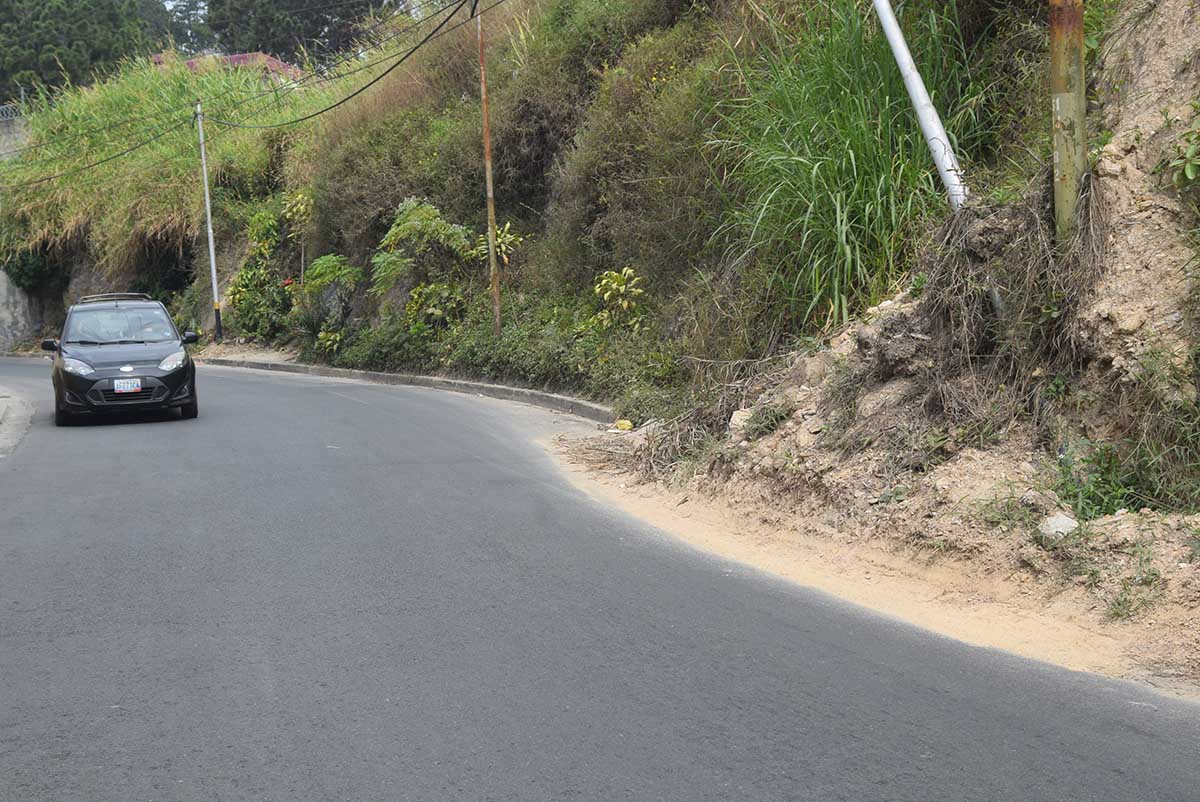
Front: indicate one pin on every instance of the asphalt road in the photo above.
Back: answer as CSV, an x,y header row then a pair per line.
x,y
331,591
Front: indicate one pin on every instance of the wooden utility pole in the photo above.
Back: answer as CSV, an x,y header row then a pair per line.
x,y
487,168
1067,91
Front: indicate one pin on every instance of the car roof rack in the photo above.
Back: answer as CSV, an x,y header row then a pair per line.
x,y
115,296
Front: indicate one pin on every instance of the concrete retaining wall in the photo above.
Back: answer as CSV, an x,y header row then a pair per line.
x,y
20,315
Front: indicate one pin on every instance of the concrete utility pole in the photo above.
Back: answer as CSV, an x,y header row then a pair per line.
x,y
1067,90
487,167
927,115
212,251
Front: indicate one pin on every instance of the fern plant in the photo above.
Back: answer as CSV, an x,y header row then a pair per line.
x,y
420,244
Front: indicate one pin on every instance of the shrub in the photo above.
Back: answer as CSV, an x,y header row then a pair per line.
x,y
435,305
619,292
34,272
259,303
555,70
332,271
436,247
635,187
387,270
395,344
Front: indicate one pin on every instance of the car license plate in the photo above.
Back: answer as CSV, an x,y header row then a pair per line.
x,y
127,385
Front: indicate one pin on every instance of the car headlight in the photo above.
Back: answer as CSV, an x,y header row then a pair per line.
x,y
77,366
174,361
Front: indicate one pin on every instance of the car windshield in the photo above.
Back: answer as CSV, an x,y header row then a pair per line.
x,y
122,324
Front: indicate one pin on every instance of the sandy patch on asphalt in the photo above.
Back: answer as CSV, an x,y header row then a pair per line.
x,y
943,596
15,415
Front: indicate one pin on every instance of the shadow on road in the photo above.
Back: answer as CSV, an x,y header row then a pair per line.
x,y
122,418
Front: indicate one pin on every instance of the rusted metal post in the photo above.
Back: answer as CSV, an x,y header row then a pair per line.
x,y
487,168
1067,91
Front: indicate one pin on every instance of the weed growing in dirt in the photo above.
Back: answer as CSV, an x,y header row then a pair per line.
x,y
844,385
1009,513
1086,568
1139,590
1093,480
700,456
766,419
1193,545
1125,603
1184,170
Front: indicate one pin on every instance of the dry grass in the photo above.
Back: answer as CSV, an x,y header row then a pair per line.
x,y
993,367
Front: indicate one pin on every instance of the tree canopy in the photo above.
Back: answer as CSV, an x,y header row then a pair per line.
x,y
285,28
55,42
52,42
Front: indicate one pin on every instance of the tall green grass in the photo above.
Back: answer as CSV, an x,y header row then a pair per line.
x,y
152,197
829,178
53,199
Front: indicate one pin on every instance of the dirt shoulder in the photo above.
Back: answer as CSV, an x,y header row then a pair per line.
x,y
1009,610
245,350
15,415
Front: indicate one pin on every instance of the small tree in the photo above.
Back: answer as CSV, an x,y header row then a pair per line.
x,y
420,244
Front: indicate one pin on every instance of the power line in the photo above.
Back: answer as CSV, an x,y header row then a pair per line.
x,y
325,74
435,33
60,42
296,83
98,162
373,81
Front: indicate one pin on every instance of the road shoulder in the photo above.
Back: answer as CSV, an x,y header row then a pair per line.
x,y
15,415
943,596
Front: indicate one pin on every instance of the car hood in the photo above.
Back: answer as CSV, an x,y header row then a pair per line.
x,y
112,356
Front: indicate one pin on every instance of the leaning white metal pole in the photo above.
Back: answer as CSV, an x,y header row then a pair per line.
x,y
212,250
927,115
931,122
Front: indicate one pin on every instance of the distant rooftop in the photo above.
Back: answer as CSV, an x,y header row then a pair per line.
x,y
259,60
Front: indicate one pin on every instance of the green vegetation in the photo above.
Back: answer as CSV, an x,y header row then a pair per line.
x,y
1139,590
766,419
285,29
682,189
1185,167
831,169
52,43
122,214
1094,480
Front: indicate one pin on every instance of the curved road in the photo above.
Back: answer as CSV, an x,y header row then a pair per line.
x,y
331,591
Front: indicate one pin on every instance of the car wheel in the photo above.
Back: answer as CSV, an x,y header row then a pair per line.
x,y
190,411
61,418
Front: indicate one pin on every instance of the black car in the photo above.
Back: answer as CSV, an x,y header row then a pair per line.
x,y
121,352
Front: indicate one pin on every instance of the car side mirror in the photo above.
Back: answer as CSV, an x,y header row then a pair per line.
x,y
49,344
190,337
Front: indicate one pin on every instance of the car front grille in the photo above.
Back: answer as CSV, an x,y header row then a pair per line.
x,y
145,394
